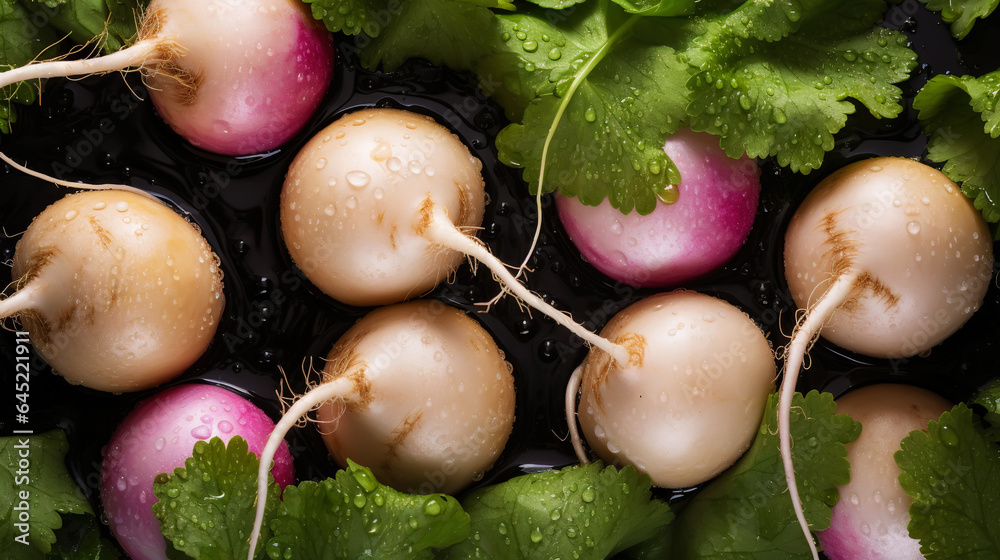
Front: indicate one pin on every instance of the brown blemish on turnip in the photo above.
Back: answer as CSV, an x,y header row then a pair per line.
x,y
843,253
399,435
635,344
38,261
464,205
426,213
843,250
103,235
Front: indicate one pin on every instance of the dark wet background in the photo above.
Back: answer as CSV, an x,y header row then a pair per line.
x,y
274,318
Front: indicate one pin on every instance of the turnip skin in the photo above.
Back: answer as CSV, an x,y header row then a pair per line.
x,y
888,258
351,205
264,67
118,292
418,392
234,78
690,401
157,437
870,520
912,231
702,230
440,412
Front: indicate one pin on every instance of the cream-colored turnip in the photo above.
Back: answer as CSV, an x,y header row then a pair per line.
x,y
689,401
886,257
383,205
418,392
870,520
230,77
118,292
353,202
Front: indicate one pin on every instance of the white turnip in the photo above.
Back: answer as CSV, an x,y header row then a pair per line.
x,y
886,257
418,392
233,78
156,438
689,401
382,205
870,520
118,292
715,206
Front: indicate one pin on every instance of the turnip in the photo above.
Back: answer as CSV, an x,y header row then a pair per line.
x,y
870,520
888,258
156,438
418,392
230,77
689,401
381,206
117,291
682,239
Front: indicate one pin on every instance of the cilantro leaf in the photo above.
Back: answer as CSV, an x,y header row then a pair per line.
x,y
80,539
21,41
361,518
589,511
609,141
113,22
746,512
962,14
449,32
556,4
350,17
989,398
776,80
962,117
34,478
657,7
952,472
206,508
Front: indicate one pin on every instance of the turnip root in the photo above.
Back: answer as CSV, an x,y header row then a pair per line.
x,y
156,438
117,291
870,520
418,392
689,401
888,258
230,77
380,207
680,240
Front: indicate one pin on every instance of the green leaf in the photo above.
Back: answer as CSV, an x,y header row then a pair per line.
x,y
21,41
989,398
80,539
952,472
775,81
583,512
453,33
657,7
962,118
111,22
556,4
448,32
206,508
962,14
626,97
350,17
34,481
746,513
360,518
